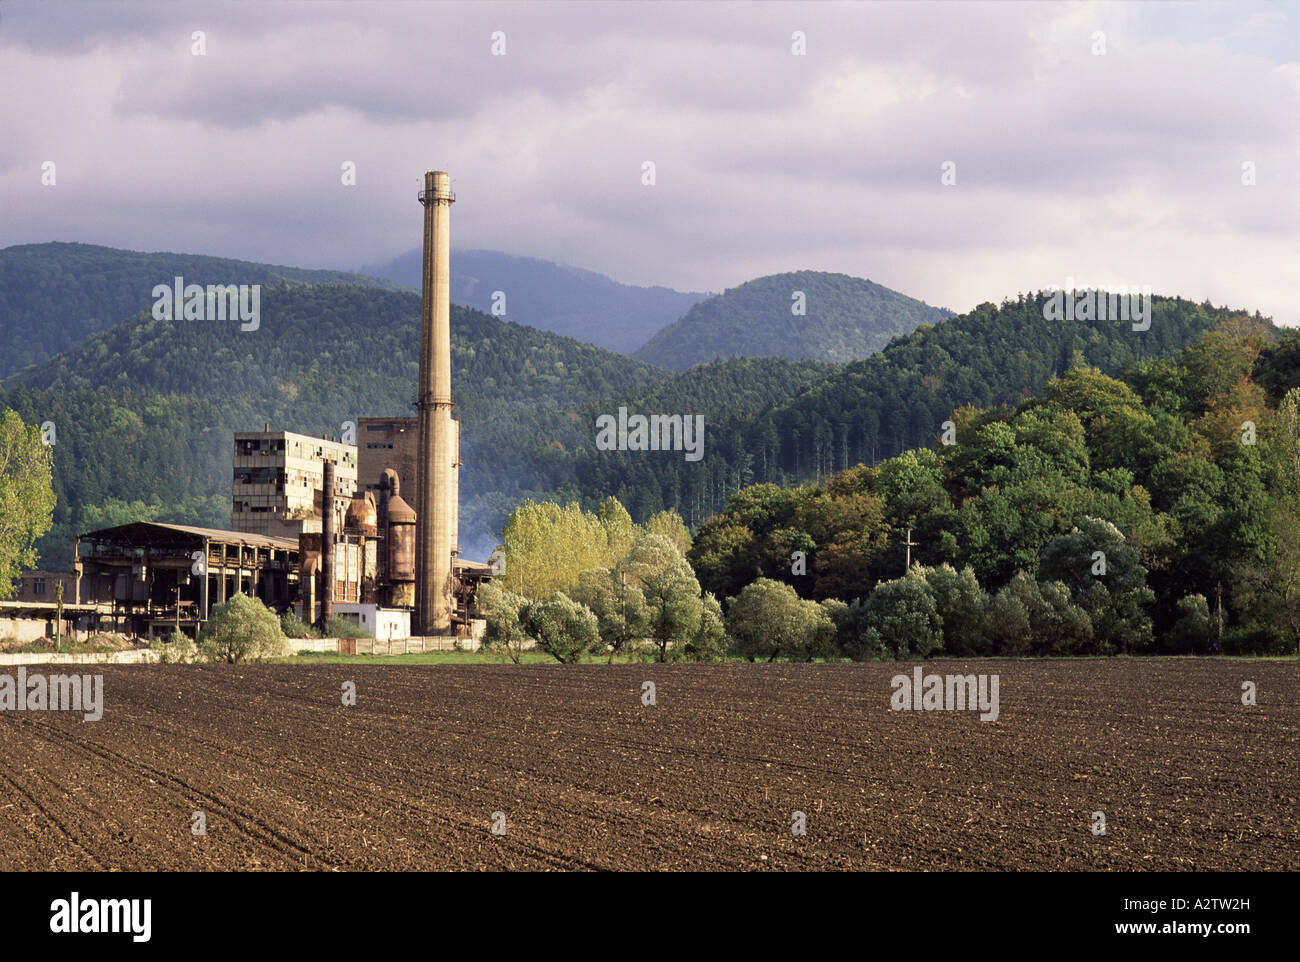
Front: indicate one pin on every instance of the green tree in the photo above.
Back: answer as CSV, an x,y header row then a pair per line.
x,y
621,532
563,628
549,546
1057,625
503,612
26,497
1106,578
674,605
963,609
670,525
768,620
709,643
1268,585
849,619
725,555
1008,622
1193,631
619,606
903,615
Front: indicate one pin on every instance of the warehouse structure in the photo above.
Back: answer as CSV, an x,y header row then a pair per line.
x,y
148,578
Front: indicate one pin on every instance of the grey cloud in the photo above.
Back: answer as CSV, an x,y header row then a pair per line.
x,y
766,161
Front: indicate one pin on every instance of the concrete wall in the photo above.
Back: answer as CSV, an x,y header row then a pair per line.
x,y
28,629
372,646
137,656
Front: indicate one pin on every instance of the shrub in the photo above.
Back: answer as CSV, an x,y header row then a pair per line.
x,y
178,649
242,629
295,627
340,627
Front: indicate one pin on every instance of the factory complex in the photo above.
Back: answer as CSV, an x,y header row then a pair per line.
x,y
367,532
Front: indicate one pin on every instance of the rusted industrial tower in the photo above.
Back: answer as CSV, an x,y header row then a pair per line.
x,y
436,512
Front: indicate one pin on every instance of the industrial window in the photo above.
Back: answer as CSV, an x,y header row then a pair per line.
x,y
259,476
38,586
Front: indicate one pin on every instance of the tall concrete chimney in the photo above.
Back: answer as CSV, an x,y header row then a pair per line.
x,y
327,537
435,513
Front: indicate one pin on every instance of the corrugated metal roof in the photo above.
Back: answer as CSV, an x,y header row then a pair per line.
x,y
213,534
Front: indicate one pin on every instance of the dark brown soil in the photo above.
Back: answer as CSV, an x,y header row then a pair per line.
x,y
588,777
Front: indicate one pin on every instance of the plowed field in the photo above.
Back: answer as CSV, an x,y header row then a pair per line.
x,y
587,777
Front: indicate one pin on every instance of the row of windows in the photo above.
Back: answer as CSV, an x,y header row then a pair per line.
x,y
248,447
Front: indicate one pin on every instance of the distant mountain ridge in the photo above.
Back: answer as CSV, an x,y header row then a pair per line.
x,y
801,315
553,297
54,295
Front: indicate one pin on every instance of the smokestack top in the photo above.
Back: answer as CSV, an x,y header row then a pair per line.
x,y
437,187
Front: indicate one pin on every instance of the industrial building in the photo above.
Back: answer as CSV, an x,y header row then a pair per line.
x,y
389,443
277,478
147,578
43,586
378,550
436,509
369,532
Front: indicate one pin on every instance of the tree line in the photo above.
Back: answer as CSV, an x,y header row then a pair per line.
x,y
1158,511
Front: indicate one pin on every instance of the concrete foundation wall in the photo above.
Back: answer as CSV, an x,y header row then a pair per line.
x,y
139,656
27,629
381,646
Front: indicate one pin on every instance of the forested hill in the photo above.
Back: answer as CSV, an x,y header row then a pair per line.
x,y
145,412
53,295
844,318
353,342
554,297
870,410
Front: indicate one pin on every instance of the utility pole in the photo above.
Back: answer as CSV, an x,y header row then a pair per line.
x,y
910,545
58,617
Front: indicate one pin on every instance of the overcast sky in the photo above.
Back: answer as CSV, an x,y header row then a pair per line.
x,y
1123,166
